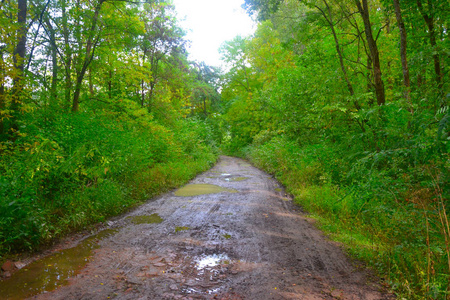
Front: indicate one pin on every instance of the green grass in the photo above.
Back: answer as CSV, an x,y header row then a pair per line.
x,y
398,234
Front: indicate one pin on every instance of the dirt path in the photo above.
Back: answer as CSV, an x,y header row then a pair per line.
x,y
251,243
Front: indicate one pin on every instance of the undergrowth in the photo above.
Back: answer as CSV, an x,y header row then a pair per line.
x,y
397,224
66,172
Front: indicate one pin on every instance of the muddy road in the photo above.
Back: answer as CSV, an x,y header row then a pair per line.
x,y
231,234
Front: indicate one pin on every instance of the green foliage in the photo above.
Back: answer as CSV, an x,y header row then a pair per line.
x,y
392,223
122,69
300,102
76,170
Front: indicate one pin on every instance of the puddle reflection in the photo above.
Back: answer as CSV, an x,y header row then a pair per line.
x,y
213,260
201,189
52,271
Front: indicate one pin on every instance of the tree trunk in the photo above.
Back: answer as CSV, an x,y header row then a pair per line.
x,y
68,54
429,20
375,56
154,63
402,29
54,74
150,93
369,78
90,49
54,51
76,94
142,93
91,84
329,20
110,83
2,92
19,60
68,87
204,107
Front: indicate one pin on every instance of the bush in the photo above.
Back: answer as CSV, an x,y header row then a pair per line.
x,y
390,213
77,170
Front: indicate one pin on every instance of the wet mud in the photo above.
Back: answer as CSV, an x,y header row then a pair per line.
x,y
201,189
145,219
52,271
216,239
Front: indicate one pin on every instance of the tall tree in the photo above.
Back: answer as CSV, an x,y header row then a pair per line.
x,y
327,14
428,16
54,53
91,43
67,53
205,95
234,54
403,47
19,60
7,45
161,40
2,91
363,9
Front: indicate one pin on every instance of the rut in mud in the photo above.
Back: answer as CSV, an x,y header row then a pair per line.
x,y
231,234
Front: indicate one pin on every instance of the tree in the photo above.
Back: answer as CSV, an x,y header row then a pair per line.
x,y
19,61
92,41
162,39
363,9
234,54
403,48
2,93
7,70
205,96
327,14
428,17
263,8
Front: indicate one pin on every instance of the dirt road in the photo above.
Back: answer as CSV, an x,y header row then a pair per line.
x,y
243,240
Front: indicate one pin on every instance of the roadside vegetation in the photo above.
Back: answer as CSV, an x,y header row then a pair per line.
x,y
345,102
94,122
363,151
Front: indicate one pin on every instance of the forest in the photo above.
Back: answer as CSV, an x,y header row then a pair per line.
x,y
344,102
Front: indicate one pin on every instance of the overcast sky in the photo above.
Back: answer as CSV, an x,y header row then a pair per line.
x,y
209,23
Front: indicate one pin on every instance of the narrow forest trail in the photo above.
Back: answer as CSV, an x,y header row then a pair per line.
x,y
246,241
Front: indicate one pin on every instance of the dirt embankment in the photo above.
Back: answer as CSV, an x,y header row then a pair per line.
x,y
231,234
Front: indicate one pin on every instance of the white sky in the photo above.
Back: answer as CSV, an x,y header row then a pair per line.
x,y
209,23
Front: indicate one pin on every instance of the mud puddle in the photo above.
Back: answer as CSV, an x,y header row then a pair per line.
x,y
201,189
208,273
231,179
228,177
145,219
212,260
52,271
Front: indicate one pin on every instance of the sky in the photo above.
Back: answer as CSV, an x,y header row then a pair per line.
x,y
209,23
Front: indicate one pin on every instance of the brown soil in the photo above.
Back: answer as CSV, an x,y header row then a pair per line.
x,y
249,244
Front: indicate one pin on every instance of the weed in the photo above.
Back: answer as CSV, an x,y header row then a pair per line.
x,y
181,228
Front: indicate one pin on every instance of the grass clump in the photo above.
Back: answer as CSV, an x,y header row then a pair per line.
x,y
181,228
